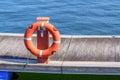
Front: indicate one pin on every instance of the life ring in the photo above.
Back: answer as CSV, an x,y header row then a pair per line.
x,y
46,52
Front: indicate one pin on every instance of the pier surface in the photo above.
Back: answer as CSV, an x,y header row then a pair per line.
x,y
77,55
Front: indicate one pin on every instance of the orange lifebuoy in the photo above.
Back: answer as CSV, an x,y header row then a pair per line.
x,y
46,52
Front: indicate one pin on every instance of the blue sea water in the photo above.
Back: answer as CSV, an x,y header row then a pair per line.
x,y
73,17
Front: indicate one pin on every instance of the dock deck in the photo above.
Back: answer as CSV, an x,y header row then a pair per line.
x,y
77,55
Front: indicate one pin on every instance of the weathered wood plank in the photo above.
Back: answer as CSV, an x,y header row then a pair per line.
x,y
52,67
73,48
93,49
66,67
79,67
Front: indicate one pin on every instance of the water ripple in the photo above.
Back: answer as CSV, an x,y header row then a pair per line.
x,y
91,17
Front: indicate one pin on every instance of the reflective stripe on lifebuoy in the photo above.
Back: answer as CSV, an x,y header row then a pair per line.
x,y
28,37
40,54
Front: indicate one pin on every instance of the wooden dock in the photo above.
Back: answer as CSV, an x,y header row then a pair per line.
x,y
77,55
